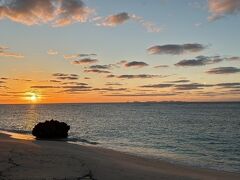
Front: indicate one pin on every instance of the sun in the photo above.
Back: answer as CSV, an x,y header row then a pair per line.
x,y
33,97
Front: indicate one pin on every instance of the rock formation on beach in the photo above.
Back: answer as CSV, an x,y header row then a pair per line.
x,y
51,130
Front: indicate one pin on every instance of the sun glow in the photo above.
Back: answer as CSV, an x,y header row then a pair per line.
x,y
32,96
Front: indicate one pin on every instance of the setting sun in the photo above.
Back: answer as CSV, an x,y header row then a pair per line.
x,y
32,97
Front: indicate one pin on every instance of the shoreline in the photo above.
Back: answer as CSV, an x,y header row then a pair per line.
x,y
40,159
84,142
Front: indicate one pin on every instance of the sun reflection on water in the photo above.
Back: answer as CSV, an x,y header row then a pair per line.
x,y
31,117
18,136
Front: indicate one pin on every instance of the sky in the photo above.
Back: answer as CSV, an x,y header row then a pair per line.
x,y
83,51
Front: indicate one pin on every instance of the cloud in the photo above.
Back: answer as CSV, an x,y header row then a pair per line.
x,y
100,67
55,81
27,80
44,87
142,94
157,86
130,76
96,71
73,56
176,49
4,51
161,66
106,66
68,78
136,64
52,52
15,79
223,70
233,85
5,87
221,8
121,62
110,89
76,89
116,19
75,83
200,61
125,63
211,94
72,11
113,84
233,91
85,61
27,12
179,81
110,76
56,12
150,26
3,48
63,76
191,86
66,88
1,82
4,78
234,58
205,60
143,76
121,18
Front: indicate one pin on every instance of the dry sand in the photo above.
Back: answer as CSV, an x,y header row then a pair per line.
x,y
34,159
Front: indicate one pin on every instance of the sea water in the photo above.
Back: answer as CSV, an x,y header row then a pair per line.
x,y
197,134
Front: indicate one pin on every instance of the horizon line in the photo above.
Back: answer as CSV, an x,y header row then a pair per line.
x,y
238,101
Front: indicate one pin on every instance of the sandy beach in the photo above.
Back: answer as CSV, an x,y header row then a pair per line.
x,y
34,159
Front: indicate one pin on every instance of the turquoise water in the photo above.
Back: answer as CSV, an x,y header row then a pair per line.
x,y
197,134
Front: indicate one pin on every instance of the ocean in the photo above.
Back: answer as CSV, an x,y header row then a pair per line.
x,y
197,134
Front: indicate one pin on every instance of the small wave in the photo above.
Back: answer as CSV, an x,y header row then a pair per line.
x,y
16,131
69,139
81,141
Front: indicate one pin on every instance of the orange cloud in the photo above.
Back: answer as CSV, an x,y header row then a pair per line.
x,y
120,18
4,52
220,8
58,12
52,52
116,19
150,26
71,11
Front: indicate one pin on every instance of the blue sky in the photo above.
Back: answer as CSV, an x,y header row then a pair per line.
x,y
117,31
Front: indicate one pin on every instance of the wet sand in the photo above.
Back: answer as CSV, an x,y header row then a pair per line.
x,y
35,159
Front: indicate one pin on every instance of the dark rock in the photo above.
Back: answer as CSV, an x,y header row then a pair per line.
x,y
51,130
